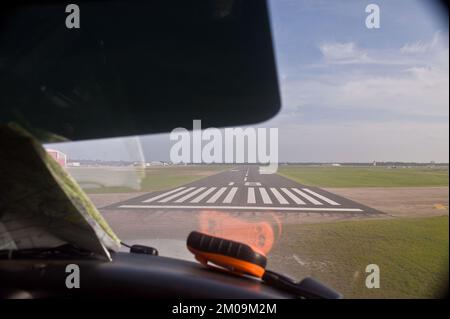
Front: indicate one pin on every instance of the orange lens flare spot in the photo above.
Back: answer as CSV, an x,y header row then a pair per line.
x,y
259,234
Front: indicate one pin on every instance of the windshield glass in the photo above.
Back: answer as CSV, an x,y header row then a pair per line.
x,y
348,183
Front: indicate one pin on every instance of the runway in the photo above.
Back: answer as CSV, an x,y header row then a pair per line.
x,y
245,189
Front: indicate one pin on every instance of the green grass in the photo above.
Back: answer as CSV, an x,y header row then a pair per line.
x,y
109,180
365,176
412,255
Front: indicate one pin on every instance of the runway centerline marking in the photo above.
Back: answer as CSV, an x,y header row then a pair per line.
x,y
325,199
163,195
231,184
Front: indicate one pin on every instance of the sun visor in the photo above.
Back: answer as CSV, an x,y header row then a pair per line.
x,y
135,67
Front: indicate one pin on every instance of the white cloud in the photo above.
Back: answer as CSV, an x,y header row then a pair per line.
x,y
415,53
419,91
343,53
418,86
421,46
396,110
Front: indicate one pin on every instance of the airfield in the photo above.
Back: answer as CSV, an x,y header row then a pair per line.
x,y
329,227
245,188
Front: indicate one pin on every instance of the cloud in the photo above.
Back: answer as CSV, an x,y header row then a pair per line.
x,y
413,87
355,107
421,46
418,91
415,53
343,53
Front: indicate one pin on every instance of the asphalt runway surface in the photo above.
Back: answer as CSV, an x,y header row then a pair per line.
x,y
244,189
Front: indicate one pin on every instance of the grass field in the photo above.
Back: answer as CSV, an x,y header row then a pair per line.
x,y
412,255
96,180
125,180
365,176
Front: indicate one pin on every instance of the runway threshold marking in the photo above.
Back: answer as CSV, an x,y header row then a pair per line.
x,y
312,209
309,198
216,196
251,199
163,195
265,196
165,200
278,196
191,194
325,199
203,195
296,200
229,198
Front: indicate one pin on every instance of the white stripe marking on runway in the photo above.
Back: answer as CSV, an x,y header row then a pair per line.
x,y
191,194
252,184
312,200
229,198
251,199
165,200
203,195
231,184
162,195
265,196
325,199
293,197
278,196
311,209
217,195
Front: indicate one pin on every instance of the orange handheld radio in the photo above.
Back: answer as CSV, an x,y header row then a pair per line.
x,y
237,257
241,259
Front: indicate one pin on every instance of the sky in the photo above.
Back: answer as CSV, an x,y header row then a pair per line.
x,y
349,93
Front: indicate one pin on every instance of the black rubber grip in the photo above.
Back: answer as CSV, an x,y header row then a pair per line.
x,y
216,245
